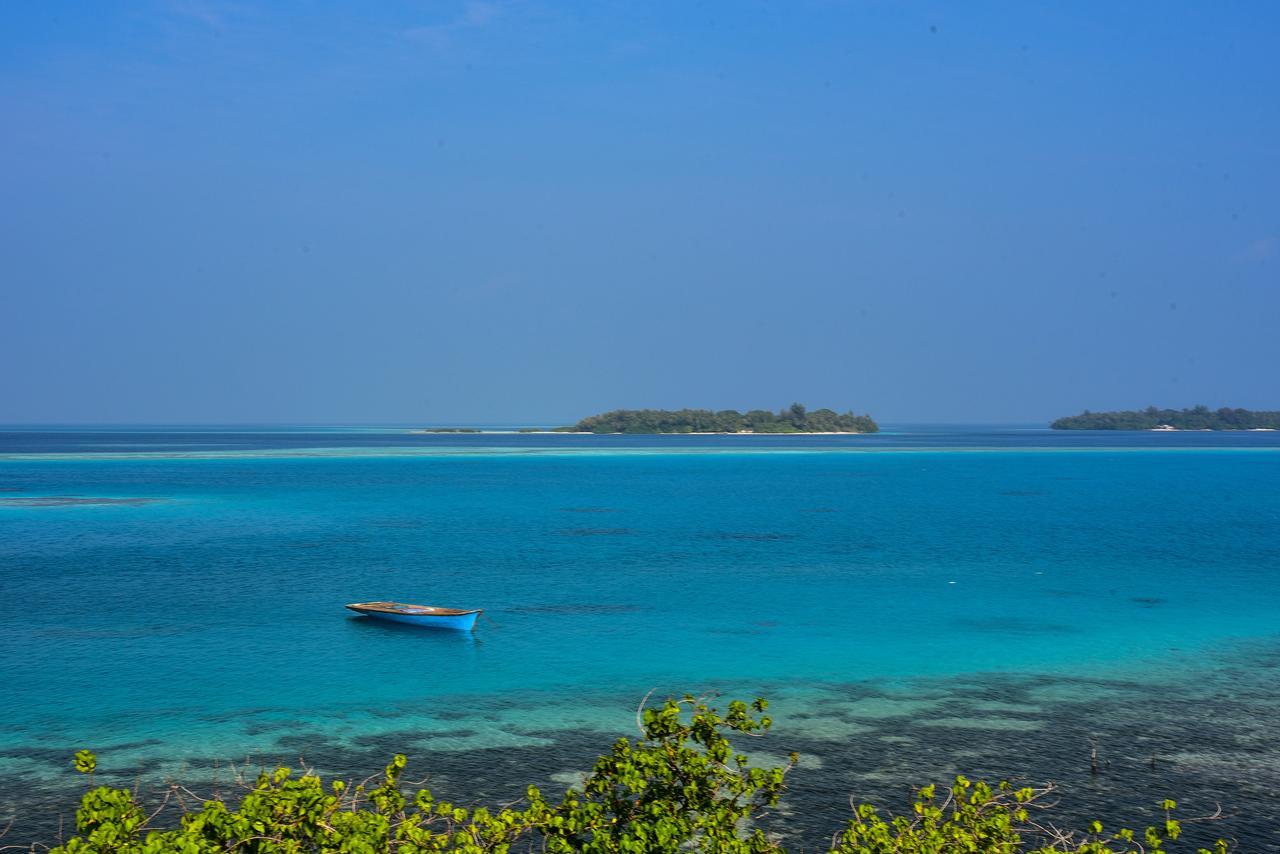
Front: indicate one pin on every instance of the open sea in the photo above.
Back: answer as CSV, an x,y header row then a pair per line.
x,y
919,603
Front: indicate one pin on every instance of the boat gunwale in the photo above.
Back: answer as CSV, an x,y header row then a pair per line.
x,y
399,609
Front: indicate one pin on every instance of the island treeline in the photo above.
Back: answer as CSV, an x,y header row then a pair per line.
x,y
794,419
1151,418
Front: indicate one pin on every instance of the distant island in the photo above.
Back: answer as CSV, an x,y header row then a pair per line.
x,y
794,419
1151,418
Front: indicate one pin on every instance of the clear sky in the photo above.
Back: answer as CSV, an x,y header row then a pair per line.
x,y
444,212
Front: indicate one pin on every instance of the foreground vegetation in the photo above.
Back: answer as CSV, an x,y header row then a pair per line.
x,y
680,787
794,419
1151,418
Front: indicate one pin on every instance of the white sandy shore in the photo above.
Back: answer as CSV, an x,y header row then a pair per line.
x,y
1165,428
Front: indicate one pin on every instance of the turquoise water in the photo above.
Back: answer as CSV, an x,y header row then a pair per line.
x,y
174,597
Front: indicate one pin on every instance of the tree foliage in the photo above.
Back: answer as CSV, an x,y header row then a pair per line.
x,y
794,419
682,786
1196,418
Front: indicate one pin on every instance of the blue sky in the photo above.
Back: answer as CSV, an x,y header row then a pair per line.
x,y
530,211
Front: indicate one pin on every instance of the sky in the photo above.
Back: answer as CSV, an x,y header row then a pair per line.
x,y
528,212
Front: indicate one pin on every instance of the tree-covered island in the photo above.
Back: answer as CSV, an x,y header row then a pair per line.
x,y
1151,418
794,419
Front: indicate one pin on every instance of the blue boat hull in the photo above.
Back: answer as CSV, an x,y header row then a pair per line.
x,y
426,616
462,622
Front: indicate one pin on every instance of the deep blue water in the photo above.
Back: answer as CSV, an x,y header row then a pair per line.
x,y
174,596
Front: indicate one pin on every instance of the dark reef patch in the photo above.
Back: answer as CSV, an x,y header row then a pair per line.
x,y
43,755
76,501
447,715
302,742
156,631
854,547
329,542
573,608
1013,626
262,727
403,738
749,536
596,532
107,750
850,474
236,715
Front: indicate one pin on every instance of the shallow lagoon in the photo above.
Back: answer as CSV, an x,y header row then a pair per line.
x,y
982,601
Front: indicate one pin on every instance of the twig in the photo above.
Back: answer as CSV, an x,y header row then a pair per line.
x,y
640,710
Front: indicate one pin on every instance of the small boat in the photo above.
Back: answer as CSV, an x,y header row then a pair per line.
x,y
419,615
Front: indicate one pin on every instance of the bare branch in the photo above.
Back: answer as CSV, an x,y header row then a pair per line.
x,y
640,710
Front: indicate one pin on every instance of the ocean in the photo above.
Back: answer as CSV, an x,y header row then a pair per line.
x,y
918,603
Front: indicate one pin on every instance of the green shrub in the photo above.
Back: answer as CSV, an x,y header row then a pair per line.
x,y
681,787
